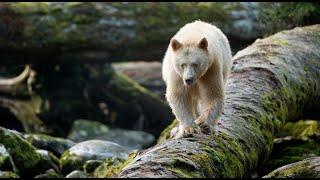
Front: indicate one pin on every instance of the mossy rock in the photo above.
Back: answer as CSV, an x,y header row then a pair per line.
x,y
6,163
55,145
23,154
91,165
49,161
112,166
75,157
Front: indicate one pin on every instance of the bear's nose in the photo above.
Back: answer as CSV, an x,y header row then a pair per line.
x,y
189,81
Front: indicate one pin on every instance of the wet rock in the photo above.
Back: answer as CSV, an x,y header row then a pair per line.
x,y
8,174
77,174
6,163
48,160
91,165
75,157
23,154
51,173
85,130
53,144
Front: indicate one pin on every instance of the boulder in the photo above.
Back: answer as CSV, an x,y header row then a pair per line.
x,y
76,156
86,130
55,145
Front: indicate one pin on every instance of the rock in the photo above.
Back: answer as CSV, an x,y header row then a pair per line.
x,y
6,163
23,154
53,144
50,173
77,174
75,157
8,174
91,165
48,160
85,130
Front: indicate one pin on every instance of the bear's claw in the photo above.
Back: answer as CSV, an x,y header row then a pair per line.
x,y
205,128
187,131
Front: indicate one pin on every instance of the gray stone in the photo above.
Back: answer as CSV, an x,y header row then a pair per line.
x,y
86,130
75,157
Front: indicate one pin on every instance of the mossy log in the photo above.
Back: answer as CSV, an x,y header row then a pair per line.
x,y
105,31
307,168
273,81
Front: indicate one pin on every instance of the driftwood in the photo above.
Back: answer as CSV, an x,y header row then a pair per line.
x,y
273,81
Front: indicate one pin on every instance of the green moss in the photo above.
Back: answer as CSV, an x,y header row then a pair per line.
x,y
23,154
112,166
165,134
69,162
91,165
301,129
300,169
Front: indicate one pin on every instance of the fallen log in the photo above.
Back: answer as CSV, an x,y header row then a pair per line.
x,y
273,81
307,168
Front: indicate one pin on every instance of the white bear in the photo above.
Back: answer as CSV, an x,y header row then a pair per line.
x,y
195,68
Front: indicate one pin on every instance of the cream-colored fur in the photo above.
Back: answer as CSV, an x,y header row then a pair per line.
x,y
198,52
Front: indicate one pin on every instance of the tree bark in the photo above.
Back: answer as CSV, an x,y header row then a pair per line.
x,y
99,32
273,81
307,168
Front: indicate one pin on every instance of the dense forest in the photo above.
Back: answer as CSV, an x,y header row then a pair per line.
x,y
82,94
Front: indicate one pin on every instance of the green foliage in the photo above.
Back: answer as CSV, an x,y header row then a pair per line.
x,y
278,16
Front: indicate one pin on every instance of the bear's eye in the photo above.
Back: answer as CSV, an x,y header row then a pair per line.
x,y
194,65
183,65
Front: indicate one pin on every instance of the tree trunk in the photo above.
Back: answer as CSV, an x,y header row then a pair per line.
x,y
99,32
273,81
307,168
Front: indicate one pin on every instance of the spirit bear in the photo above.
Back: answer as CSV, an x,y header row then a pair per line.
x,y
195,68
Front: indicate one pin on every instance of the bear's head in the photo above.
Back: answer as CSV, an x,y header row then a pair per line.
x,y
191,61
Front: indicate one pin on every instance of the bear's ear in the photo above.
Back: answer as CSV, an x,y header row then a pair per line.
x,y
175,44
203,44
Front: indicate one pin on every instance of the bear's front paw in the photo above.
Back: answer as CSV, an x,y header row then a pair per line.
x,y
205,128
185,131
